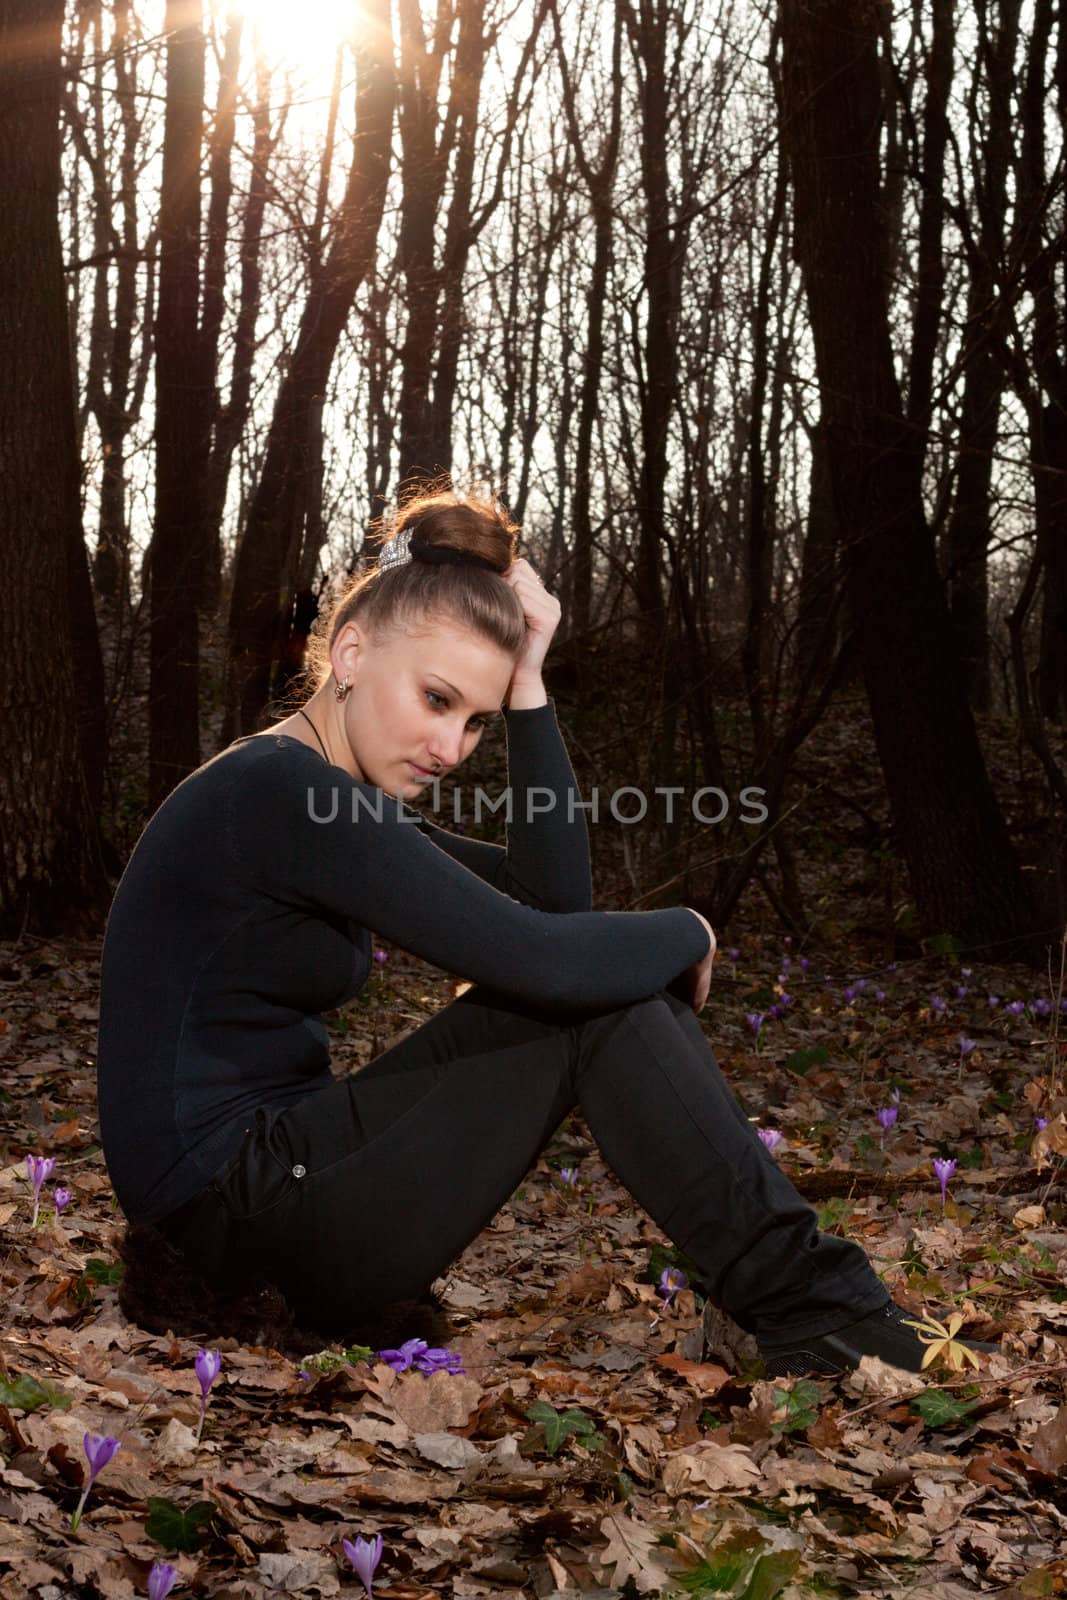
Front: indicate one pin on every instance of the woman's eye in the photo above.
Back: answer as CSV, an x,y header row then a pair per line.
x,y
476,724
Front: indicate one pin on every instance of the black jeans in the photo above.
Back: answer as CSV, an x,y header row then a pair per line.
x,y
361,1194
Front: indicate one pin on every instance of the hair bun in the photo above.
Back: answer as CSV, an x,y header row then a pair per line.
x,y
447,554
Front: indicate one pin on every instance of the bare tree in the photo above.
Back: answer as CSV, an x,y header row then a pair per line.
x,y
270,554
177,560
51,873
964,875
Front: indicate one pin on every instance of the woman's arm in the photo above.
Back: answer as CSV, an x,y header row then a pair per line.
x,y
546,862
307,834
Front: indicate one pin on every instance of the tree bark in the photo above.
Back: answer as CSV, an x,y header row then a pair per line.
x,y
177,557
970,524
52,878
270,556
599,180
964,875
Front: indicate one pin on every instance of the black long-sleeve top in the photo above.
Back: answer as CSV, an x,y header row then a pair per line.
x,y
245,911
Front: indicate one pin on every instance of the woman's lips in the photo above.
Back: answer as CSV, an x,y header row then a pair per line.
x,y
419,772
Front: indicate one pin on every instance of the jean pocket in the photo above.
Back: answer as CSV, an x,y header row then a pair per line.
x,y
265,1171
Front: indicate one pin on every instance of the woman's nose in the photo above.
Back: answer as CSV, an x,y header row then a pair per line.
x,y
446,745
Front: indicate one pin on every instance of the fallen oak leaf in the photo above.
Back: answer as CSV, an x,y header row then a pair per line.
x,y
635,1553
1049,1444
705,1376
709,1466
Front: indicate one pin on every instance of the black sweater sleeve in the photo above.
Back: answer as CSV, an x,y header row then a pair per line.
x,y
546,862
307,834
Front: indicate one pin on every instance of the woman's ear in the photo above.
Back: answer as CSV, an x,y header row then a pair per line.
x,y
348,649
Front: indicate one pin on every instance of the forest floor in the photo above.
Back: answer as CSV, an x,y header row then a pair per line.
x,y
588,1445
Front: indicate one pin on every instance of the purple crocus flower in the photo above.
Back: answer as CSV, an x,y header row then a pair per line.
x,y
381,957
775,1011
993,1002
735,954
805,964
207,1365
98,1451
861,984
400,1360
937,1004
879,995
440,1361
161,1580
892,967
787,962
849,995
1039,1008
568,1176
364,1555
671,1279
966,1045
943,1171
416,1353
962,991
1015,1008
887,1115
60,1199
40,1169
755,1020
1040,1122
771,1137
785,1000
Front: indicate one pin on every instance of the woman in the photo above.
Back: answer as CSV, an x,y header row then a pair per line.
x,y
245,911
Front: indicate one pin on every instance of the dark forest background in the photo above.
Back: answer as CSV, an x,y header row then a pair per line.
x,y
755,317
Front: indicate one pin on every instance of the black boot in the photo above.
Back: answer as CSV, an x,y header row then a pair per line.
x,y
881,1333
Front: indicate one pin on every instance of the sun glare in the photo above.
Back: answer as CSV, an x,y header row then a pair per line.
x,y
303,35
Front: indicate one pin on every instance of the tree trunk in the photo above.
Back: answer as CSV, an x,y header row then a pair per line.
x,y
970,525
964,875
230,418
649,26
600,183
177,555
51,875
1049,456
269,556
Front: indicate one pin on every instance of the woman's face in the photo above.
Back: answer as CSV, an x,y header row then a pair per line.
x,y
418,699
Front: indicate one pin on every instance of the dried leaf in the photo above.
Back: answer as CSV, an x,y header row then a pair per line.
x,y
705,1376
1049,1444
632,1551
709,1466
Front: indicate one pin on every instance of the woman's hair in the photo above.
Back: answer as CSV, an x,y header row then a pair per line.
x,y
414,592
161,1292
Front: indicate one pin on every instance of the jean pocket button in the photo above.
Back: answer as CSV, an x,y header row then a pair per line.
x,y
298,1172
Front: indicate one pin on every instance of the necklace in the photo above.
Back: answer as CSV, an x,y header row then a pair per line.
x,y
314,730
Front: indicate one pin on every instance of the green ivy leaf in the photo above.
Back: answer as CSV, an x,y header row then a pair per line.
x,y
178,1530
802,1061
938,1407
834,1213
98,1271
559,1425
27,1394
801,1406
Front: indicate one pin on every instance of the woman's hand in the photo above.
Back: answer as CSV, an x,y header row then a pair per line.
x,y
698,976
542,611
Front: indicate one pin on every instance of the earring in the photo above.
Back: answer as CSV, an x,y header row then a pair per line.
x,y
341,689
